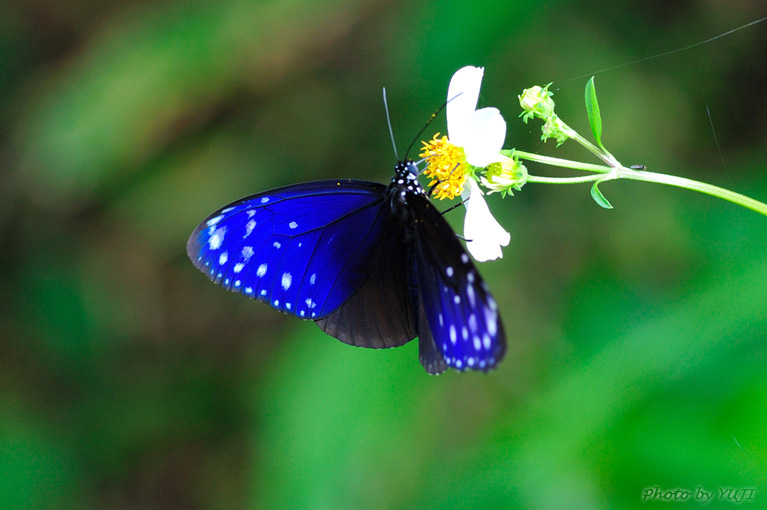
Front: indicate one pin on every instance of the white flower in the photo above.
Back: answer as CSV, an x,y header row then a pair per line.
x,y
484,235
481,134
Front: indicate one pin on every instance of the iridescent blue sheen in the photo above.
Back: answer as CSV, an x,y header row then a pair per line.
x,y
373,265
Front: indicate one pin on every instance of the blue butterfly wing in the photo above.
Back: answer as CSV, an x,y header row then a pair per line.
x,y
380,314
304,249
459,325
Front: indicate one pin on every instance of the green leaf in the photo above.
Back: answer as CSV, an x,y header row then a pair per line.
x,y
592,110
598,197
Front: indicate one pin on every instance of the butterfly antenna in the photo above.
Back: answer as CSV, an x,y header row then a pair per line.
x,y
388,121
431,119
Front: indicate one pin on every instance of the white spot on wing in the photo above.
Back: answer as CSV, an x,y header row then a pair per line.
x,y
249,226
247,252
464,258
261,271
312,278
223,258
453,334
287,279
449,271
292,224
473,323
492,323
238,267
471,294
264,200
215,220
217,238
277,245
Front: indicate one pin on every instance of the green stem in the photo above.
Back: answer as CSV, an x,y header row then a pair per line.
x,y
603,155
563,163
621,172
565,180
615,170
681,182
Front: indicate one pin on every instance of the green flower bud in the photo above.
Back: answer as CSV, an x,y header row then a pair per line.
x,y
536,102
505,176
555,128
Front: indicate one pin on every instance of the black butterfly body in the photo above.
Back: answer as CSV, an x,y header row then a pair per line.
x,y
372,265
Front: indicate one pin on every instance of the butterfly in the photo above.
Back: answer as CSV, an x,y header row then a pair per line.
x,y
372,265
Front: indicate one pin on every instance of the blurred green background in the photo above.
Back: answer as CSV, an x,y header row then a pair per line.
x,y
637,348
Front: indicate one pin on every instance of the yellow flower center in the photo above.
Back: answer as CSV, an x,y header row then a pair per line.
x,y
446,166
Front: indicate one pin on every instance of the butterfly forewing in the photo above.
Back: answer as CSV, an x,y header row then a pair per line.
x,y
461,314
304,249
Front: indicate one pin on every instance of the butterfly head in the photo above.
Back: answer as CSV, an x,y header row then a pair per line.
x,y
403,185
406,177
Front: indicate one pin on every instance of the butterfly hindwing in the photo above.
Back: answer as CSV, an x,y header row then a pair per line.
x,y
304,249
430,357
380,313
460,326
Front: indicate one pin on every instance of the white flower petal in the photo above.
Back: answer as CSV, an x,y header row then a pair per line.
x,y
484,235
462,97
485,141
